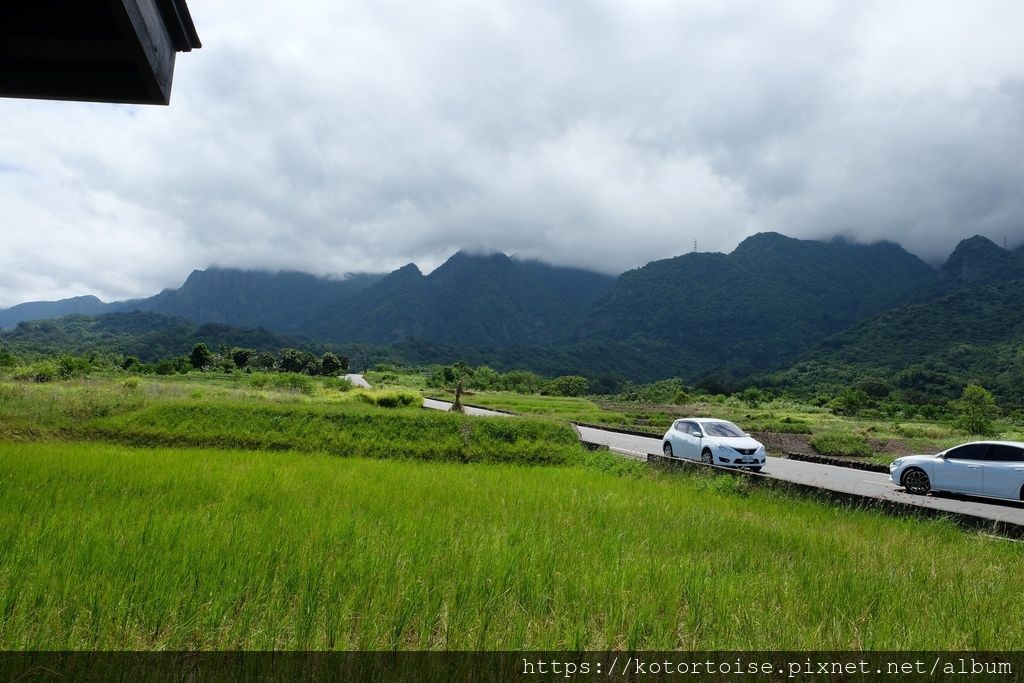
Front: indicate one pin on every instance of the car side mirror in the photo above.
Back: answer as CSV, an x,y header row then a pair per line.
x,y
697,434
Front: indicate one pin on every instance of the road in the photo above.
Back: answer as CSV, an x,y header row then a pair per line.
x,y
829,477
446,406
845,480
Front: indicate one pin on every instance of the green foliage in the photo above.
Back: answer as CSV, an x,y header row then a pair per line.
x,y
759,307
294,360
841,444
850,402
753,396
569,385
926,352
242,357
390,399
147,336
975,411
283,381
337,383
201,358
331,365
663,391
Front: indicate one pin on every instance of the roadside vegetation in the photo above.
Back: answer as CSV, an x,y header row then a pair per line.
x,y
275,509
112,547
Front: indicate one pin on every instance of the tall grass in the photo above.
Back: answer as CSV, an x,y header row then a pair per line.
x,y
117,548
348,429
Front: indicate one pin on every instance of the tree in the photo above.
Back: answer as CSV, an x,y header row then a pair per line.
x,y
264,360
331,365
242,357
753,396
200,356
293,360
975,410
568,385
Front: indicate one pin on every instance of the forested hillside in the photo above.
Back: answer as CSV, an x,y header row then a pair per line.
x,y
760,306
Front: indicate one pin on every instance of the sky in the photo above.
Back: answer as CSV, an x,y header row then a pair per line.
x,y
342,136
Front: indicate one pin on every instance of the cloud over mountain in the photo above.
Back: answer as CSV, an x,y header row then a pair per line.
x,y
361,136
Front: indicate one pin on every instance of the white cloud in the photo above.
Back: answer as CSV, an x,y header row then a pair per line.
x,y
363,135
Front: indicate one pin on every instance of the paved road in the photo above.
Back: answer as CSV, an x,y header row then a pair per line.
x,y
446,406
830,477
358,381
841,479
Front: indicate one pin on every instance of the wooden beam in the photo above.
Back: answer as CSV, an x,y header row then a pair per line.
x,y
153,50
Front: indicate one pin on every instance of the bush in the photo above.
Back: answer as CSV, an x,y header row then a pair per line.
x,y
390,399
44,371
841,444
283,381
569,385
337,383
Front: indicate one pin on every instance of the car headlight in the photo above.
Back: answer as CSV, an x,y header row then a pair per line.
x,y
896,463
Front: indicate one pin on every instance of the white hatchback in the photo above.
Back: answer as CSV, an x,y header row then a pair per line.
x,y
714,442
994,469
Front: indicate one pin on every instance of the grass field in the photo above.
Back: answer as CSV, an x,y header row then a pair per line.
x,y
105,546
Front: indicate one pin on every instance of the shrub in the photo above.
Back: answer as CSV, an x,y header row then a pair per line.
x,y
40,371
338,383
390,399
283,381
841,444
569,385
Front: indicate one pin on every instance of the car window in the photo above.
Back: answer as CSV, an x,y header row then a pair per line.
x,y
1002,453
723,429
688,427
972,451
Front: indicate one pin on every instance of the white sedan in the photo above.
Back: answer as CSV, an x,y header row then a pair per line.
x,y
713,442
994,469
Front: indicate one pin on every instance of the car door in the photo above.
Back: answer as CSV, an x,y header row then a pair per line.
x,y
1003,472
688,441
673,438
961,470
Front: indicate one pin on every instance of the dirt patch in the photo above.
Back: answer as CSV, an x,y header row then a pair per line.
x,y
779,444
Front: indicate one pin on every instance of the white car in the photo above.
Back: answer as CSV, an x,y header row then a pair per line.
x,y
714,442
994,469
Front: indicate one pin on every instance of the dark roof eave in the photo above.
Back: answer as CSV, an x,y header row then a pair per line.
x,y
180,26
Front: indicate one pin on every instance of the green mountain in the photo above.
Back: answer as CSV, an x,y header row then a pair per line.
x,y
145,335
979,260
488,301
933,348
759,307
43,310
280,301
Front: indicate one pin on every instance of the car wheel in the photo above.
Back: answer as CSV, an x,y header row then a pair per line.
x,y
667,450
916,481
755,469
707,458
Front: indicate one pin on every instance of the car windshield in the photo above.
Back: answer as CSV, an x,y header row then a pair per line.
x,y
723,429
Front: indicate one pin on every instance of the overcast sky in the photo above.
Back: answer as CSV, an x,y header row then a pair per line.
x,y
359,135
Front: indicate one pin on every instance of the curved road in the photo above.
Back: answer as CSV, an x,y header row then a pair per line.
x,y
844,480
830,477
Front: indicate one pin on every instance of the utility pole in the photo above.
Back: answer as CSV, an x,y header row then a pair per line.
x,y
695,246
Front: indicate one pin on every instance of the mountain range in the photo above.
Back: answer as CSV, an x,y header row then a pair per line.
x,y
773,302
